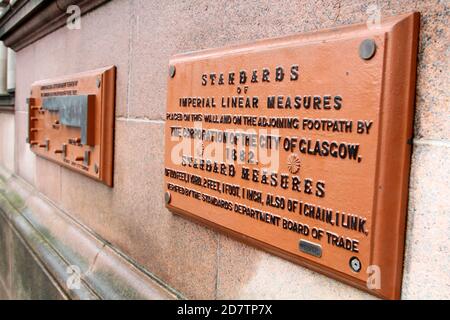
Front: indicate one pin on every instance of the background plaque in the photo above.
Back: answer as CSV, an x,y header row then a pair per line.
x,y
301,146
71,121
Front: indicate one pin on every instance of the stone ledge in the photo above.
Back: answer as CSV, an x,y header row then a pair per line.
x,y
58,242
27,21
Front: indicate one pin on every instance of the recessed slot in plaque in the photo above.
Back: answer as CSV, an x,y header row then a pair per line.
x,y
310,248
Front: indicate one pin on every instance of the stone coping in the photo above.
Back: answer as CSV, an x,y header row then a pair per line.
x,y
61,245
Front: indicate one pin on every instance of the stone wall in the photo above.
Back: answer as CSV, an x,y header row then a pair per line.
x,y
139,36
7,140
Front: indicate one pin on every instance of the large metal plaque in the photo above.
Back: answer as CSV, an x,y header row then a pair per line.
x,y
71,122
301,146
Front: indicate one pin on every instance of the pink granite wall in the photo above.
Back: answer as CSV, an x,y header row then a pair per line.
x,y
139,36
7,140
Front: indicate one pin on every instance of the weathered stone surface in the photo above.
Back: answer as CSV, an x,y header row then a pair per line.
x,y
7,141
37,233
427,253
51,185
25,75
5,255
25,160
101,41
29,279
133,217
249,273
4,294
117,279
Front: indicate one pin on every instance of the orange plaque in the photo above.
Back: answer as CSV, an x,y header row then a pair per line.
x,y
71,122
301,146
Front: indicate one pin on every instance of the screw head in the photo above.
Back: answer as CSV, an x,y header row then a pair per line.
x,y
355,264
167,197
172,71
367,49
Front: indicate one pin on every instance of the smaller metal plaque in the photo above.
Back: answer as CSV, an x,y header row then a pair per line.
x,y
71,121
